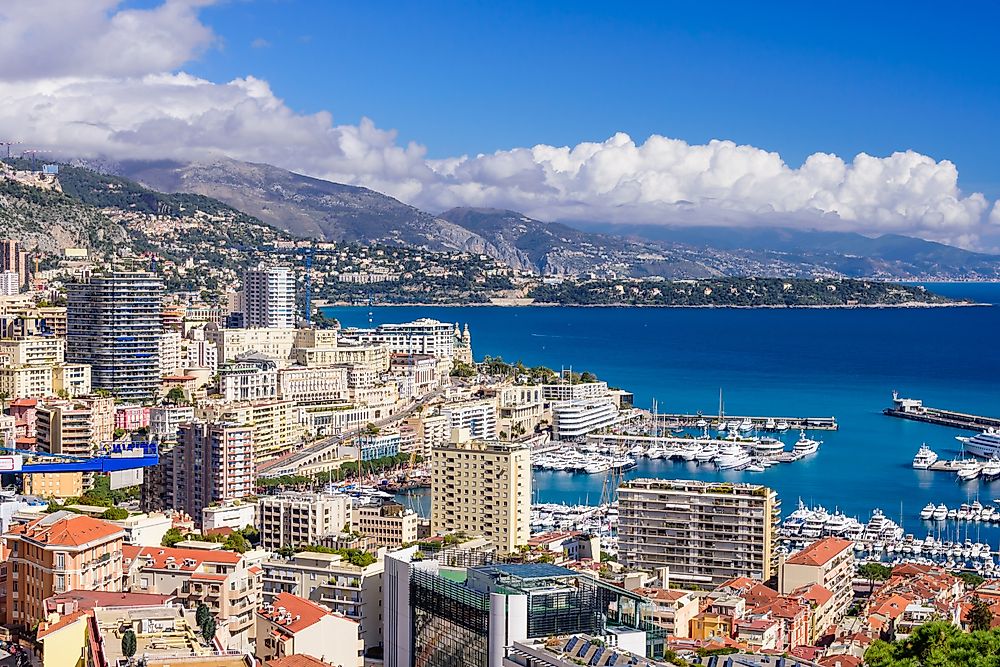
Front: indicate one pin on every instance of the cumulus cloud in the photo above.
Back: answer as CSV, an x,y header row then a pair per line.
x,y
114,88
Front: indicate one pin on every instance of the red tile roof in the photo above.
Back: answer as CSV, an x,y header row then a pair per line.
x,y
158,557
65,621
816,594
69,531
845,660
660,594
304,613
554,536
820,552
759,594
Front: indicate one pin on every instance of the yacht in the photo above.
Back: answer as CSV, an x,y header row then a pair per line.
x,y
985,444
746,425
969,470
733,425
805,445
768,447
733,457
991,469
782,425
940,512
701,423
655,452
770,424
707,453
755,467
927,512
721,428
925,457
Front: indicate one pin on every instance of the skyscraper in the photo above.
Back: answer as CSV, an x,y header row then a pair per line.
x,y
269,297
13,259
113,323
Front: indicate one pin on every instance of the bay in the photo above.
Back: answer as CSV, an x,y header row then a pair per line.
x,y
786,362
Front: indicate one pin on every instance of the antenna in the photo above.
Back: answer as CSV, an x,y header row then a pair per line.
x,y
8,144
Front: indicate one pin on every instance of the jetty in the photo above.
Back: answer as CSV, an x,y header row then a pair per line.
x,y
758,423
914,409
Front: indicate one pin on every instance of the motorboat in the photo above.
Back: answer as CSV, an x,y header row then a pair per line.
x,y
968,470
733,457
804,445
782,425
925,457
770,424
940,512
927,512
701,423
768,447
746,425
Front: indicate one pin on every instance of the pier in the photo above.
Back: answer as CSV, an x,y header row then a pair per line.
x,y
759,423
914,409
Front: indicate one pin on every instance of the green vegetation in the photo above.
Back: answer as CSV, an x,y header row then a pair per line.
x,y
115,514
463,370
346,471
356,557
129,643
172,537
979,616
938,644
874,572
175,396
971,579
733,292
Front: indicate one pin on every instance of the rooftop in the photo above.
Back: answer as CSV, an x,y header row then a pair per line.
x,y
821,552
293,614
187,560
67,529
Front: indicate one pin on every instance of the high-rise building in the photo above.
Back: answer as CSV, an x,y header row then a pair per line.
x,y
478,417
482,488
13,259
269,297
212,462
113,323
705,532
299,519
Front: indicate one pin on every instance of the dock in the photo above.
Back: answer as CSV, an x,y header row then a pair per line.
x,y
914,409
946,466
759,423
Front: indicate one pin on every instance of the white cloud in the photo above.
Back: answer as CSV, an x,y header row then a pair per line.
x,y
102,80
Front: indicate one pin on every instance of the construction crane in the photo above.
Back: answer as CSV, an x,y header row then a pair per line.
x,y
8,144
34,155
115,459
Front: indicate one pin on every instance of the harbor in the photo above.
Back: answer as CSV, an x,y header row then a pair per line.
x,y
748,423
915,410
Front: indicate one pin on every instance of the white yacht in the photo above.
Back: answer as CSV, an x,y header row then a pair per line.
x,y
985,444
925,458
746,425
721,428
940,512
969,470
655,452
733,425
991,469
782,425
770,424
733,457
805,445
768,447
701,423
927,512
707,453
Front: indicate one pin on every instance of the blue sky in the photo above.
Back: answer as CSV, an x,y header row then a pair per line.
x,y
470,77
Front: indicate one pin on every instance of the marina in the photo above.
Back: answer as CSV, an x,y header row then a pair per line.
x,y
749,423
914,409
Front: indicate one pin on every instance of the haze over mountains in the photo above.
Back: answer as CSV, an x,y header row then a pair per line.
x,y
315,208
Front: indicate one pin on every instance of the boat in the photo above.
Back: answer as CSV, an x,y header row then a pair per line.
x,y
769,447
804,445
782,425
991,469
969,470
707,453
721,428
985,445
733,457
927,512
925,457
755,467
770,424
701,423
733,425
940,512
746,425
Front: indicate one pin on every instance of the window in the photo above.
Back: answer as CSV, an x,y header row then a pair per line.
x,y
60,560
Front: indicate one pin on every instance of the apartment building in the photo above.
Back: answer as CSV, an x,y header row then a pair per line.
x,y
275,424
114,323
35,366
429,431
482,488
829,563
705,532
165,420
422,336
269,297
230,344
294,519
332,581
573,391
478,417
294,626
574,419
248,379
227,582
56,553
312,383
389,524
521,409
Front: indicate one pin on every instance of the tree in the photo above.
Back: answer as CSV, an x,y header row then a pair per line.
x,y
874,572
172,537
129,643
115,514
176,396
208,629
971,579
201,614
236,542
979,616
371,429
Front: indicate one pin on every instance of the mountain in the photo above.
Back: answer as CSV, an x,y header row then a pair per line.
x,y
892,256
304,206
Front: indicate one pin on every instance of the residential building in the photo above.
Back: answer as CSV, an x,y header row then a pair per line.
x,y
291,625
113,323
35,366
227,582
389,524
422,336
56,553
429,431
269,297
829,563
275,424
573,391
212,462
297,519
705,532
59,485
145,530
65,427
231,344
235,515
171,362
14,260
334,582
379,445
671,609
521,409
574,419
10,283
478,417
482,488
248,379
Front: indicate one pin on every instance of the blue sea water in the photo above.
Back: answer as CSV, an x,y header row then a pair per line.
x,y
788,362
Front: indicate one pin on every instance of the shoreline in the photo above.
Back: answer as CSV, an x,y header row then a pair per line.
x,y
872,306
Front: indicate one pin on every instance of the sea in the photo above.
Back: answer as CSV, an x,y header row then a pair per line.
x,y
843,363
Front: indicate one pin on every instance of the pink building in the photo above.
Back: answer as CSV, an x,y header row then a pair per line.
x,y
132,417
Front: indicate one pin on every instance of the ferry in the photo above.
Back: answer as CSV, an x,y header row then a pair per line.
x,y
985,444
925,457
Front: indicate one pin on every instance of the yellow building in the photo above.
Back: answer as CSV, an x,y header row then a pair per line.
x,y
53,484
482,488
706,626
64,640
275,424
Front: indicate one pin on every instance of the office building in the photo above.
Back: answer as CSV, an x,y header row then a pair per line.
x,y
211,463
113,323
298,519
56,553
269,297
482,488
705,532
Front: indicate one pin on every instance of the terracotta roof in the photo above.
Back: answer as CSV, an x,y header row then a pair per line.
x,y
24,403
892,607
759,594
844,660
815,593
554,536
820,552
158,557
67,529
738,583
65,621
660,594
304,613
300,660
782,607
